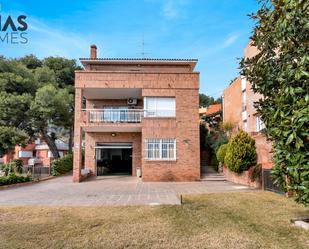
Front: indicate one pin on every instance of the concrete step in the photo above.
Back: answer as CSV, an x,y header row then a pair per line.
x,y
213,180
213,177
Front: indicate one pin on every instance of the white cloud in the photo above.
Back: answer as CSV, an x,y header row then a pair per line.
x,y
172,9
50,41
230,40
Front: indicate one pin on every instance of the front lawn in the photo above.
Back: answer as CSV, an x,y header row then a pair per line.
x,y
224,220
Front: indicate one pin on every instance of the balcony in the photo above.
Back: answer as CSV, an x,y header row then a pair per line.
x,y
124,115
114,115
119,120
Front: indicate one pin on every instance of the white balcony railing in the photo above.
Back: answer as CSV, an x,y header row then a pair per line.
x,y
124,115
115,115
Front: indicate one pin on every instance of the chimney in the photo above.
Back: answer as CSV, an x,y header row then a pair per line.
x,y
93,52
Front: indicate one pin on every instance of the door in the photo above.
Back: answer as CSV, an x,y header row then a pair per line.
x,y
114,159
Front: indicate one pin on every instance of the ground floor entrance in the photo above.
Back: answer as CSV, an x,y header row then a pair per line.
x,y
114,159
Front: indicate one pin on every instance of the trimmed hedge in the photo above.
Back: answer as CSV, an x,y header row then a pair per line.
x,y
241,152
13,178
62,165
221,152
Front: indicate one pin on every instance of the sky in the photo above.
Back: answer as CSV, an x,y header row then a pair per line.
x,y
213,31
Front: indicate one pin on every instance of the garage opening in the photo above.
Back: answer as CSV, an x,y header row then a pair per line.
x,y
114,159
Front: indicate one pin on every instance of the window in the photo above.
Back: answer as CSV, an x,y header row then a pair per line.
x,y
50,154
245,123
160,149
259,124
24,153
244,101
160,107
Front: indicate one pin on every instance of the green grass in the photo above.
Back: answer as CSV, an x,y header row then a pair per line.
x,y
227,220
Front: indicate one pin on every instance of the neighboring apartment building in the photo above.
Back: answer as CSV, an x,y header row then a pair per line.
x,y
38,150
137,116
238,108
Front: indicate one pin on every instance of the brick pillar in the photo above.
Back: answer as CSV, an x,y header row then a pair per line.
x,y
78,134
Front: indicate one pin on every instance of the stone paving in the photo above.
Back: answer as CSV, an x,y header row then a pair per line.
x,y
113,190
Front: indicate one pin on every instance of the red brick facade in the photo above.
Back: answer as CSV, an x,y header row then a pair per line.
x,y
238,108
110,82
32,150
232,104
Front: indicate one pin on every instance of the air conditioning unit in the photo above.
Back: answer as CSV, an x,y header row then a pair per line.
x,y
132,101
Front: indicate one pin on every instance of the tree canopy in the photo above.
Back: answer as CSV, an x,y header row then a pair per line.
x,y
35,95
206,100
280,73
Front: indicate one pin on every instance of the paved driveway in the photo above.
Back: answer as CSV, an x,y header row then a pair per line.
x,y
116,190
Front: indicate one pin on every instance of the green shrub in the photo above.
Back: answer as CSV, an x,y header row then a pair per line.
x,y
221,152
62,165
12,178
18,165
214,162
241,152
217,138
9,168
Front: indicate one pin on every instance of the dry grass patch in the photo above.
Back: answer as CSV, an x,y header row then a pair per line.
x,y
225,220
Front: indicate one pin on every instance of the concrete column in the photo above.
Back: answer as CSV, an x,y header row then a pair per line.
x,y
78,135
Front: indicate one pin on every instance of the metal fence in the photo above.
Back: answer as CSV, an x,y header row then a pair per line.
x,y
37,172
268,182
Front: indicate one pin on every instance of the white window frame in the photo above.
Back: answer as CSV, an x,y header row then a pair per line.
x,y
259,124
25,154
155,151
50,154
244,101
159,112
245,124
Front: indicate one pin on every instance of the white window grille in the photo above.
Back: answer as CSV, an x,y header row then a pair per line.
x,y
160,149
160,106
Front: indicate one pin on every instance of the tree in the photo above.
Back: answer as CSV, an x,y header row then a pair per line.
x,y
16,87
11,136
51,106
205,100
280,73
64,70
30,61
35,96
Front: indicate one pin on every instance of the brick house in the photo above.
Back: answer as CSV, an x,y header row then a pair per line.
x,y
38,149
238,108
137,116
